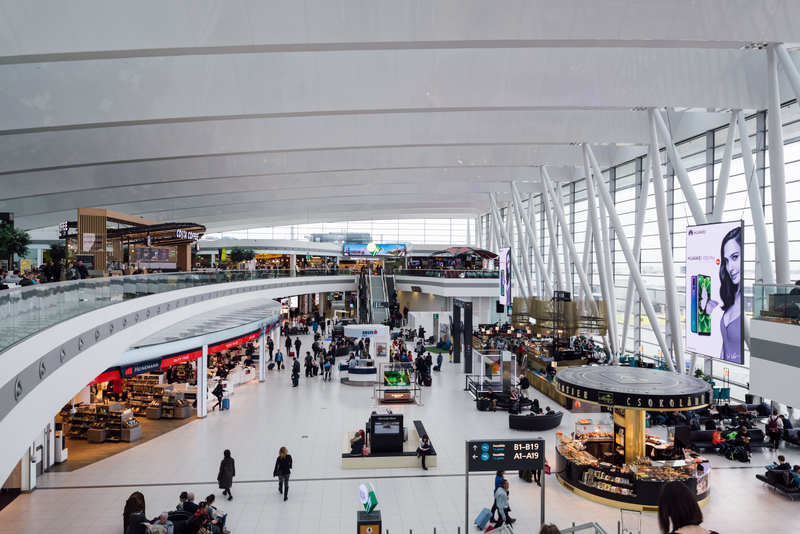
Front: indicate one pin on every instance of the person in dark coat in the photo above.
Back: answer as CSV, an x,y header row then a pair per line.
x,y
227,470
283,469
288,345
297,345
295,372
271,347
83,272
217,392
134,504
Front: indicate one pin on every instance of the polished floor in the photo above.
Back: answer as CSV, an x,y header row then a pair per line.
x,y
323,498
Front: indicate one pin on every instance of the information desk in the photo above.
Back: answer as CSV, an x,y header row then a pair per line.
x,y
636,486
363,374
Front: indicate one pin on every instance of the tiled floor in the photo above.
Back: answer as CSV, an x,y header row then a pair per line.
x,y
309,420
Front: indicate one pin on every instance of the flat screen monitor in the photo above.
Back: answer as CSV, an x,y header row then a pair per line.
x,y
387,427
396,378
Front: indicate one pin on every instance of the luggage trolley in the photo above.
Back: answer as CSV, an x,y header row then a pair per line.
x,y
631,522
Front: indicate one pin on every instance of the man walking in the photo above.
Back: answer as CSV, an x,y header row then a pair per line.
x,y
270,347
288,346
501,500
297,345
405,315
295,372
524,384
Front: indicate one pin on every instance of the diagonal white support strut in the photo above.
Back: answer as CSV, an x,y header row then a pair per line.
x,y
635,273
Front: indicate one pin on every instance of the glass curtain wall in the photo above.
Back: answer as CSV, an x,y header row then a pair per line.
x,y
702,157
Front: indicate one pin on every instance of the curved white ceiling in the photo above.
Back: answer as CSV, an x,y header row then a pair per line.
x,y
240,113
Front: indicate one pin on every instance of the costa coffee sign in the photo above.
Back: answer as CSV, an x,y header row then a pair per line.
x,y
183,234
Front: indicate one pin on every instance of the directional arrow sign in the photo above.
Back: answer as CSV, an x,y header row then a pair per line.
x,y
507,455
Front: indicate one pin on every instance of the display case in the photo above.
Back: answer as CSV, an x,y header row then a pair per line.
x,y
634,485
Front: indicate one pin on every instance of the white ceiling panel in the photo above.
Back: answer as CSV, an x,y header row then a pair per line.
x,y
333,21
220,22
217,85
277,21
258,83
161,24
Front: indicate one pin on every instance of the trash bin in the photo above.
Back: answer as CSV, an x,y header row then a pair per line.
x,y
748,398
369,523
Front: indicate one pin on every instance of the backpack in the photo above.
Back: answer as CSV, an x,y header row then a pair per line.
x,y
527,476
788,479
742,456
772,425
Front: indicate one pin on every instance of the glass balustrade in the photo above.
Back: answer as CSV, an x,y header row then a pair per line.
x,y
28,310
446,273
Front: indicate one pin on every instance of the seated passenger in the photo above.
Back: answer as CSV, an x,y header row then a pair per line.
x,y
190,506
549,411
492,397
425,448
796,473
137,521
163,521
357,445
781,465
181,500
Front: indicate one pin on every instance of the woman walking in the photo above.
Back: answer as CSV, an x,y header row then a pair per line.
x,y
227,470
283,468
279,360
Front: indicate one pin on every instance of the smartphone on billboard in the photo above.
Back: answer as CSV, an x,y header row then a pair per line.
x,y
704,295
694,305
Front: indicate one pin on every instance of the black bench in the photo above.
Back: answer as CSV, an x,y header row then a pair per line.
x,y
503,402
774,479
702,439
534,422
421,432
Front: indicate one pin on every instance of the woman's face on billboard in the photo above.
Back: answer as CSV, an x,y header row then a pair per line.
x,y
732,251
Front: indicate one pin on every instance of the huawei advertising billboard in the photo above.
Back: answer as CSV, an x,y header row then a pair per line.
x,y
505,276
714,281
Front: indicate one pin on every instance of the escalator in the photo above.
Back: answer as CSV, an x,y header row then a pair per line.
x,y
378,302
363,299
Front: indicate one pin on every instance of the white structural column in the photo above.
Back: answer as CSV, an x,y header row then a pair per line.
x,y
537,254
698,214
633,266
490,234
469,238
724,173
478,234
496,224
514,253
759,226
202,384
777,170
262,342
564,249
587,244
597,237
584,280
551,228
523,250
664,238
530,240
496,213
612,298
641,211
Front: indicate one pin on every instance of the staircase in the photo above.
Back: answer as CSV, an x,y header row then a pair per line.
x,y
377,293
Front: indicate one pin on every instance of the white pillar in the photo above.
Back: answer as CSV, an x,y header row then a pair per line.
x,y
612,297
641,211
469,237
564,249
262,342
537,254
724,173
754,195
528,225
698,213
635,273
587,242
292,264
664,238
213,258
202,384
518,216
597,236
514,267
551,228
777,171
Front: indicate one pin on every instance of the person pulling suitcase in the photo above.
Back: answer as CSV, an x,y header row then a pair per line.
x,y
295,372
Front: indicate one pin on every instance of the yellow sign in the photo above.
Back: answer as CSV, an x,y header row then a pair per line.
x,y
24,265
223,255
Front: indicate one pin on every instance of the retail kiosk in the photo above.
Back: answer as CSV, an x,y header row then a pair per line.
x,y
615,462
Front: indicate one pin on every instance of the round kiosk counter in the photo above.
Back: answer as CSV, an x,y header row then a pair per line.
x,y
621,474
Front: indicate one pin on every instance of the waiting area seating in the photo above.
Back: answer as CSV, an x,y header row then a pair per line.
x,y
534,422
701,439
386,460
774,478
503,402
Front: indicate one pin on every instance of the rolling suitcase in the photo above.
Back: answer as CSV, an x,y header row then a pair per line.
x,y
436,368
226,404
271,366
483,518
427,381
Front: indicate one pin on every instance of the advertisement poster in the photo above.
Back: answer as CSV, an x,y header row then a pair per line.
x,y
374,249
505,276
444,332
714,280
87,242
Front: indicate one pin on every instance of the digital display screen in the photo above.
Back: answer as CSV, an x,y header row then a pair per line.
x,y
374,249
714,283
396,378
152,254
387,427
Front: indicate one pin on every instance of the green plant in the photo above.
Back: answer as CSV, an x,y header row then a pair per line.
x,y
58,251
239,255
698,373
13,241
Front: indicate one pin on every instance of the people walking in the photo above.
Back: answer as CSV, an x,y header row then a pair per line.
x,y
501,500
327,367
283,469
270,347
498,481
295,372
297,345
288,346
217,392
279,360
227,470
